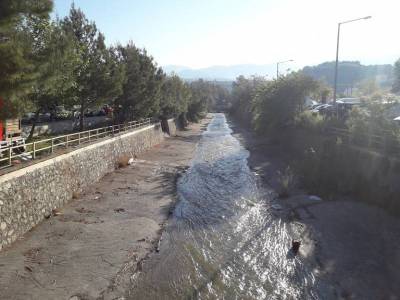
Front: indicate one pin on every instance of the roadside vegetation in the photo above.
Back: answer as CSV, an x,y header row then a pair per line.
x,y
50,63
354,152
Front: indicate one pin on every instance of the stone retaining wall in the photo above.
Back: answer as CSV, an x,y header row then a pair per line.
x,y
29,194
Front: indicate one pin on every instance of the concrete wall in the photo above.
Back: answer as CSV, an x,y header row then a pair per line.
x,y
29,194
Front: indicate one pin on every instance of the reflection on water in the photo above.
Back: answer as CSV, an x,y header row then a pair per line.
x,y
223,242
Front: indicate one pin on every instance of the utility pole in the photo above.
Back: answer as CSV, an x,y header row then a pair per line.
x,y
277,66
337,54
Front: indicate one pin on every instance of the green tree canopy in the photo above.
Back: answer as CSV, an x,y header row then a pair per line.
x,y
142,88
278,102
99,77
17,71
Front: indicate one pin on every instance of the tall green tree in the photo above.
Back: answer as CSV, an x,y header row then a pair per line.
x,y
277,103
243,93
99,77
142,88
176,95
55,61
17,70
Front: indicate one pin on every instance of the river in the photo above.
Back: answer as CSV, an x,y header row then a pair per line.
x,y
223,242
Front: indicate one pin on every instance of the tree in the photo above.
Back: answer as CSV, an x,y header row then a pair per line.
x,y
396,83
99,77
243,93
142,88
16,69
278,102
54,60
175,97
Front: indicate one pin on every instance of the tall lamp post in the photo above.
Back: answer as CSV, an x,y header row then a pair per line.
x,y
277,66
337,53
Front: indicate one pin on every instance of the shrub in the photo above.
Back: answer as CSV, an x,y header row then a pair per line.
x,y
286,182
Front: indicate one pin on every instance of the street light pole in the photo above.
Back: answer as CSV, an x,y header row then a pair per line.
x,y
337,54
277,66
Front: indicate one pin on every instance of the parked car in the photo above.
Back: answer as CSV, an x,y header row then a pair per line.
x,y
320,107
28,118
60,113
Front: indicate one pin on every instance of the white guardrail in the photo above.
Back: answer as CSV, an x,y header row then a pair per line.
x,y
32,150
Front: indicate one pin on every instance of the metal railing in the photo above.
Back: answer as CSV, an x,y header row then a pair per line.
x,y
48,146
386,142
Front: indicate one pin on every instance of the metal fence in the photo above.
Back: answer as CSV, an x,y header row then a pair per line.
x,y
385,142
48,146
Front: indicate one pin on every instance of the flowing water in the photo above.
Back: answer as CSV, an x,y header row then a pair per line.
x,y
223,242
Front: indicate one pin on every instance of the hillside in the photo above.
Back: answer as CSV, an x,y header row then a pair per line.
x,y
351,73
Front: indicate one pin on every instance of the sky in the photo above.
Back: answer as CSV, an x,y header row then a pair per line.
x,y
203,33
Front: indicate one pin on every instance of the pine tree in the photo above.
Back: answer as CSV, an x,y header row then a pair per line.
x,y
16,68
99,76
142,89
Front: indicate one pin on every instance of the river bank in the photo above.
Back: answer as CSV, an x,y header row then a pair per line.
x,y
92,247
352,248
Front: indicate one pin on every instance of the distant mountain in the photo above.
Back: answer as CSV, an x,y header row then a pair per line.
x,y
351,73
222,73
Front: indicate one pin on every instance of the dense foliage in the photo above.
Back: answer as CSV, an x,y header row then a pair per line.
x,y
331,155
48,63
17,70
269,106
396,82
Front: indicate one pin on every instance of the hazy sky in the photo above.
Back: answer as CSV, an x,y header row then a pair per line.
x,y
201,33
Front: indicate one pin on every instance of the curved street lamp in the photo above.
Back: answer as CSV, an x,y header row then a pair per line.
x,y
337,53
277,66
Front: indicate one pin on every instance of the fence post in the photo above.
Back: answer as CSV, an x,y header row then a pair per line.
x,y
79,138
97,133
67,138
52,145
9,156
89,135
385,144
34,150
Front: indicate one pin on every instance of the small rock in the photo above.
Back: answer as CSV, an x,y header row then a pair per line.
x,y
3,226
295,246
277,206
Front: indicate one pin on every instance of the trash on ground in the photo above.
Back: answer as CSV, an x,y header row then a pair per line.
x,y
314,198
56,212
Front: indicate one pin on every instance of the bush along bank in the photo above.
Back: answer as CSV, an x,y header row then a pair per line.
x,y
328,167
361,164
